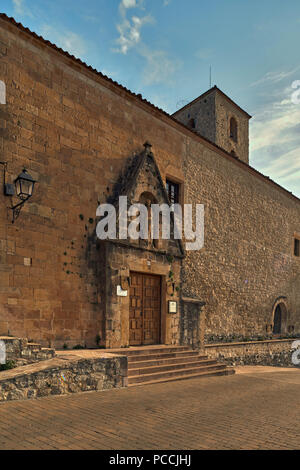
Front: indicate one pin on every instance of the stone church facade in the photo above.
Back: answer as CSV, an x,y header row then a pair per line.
x,y
86,140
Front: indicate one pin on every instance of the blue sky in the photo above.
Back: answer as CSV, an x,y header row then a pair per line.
x,y
163,49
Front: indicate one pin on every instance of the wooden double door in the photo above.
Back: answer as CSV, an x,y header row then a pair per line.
x,y
144,309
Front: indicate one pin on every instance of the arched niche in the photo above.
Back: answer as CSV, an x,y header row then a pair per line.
x,y
280,316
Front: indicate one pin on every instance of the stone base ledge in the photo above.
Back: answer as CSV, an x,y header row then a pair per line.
x,y
245,343
274,352
68,372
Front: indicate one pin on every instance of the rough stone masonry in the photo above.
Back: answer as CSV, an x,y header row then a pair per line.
x,y
76,131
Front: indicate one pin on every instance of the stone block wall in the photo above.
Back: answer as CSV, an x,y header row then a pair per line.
x,y
267,353
211,114
225,110
247,262
192,323
121,260
74,131
21,351
63,375
202,113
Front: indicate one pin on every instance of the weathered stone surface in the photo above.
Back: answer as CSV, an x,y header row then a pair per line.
x,y
75,132
247,263
268,353
22,352
67,373
192,323
211,114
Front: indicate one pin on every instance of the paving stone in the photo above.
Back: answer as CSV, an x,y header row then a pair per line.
x,y
258,408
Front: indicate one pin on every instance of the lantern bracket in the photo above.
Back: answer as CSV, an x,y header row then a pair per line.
x,y
17,209
9,190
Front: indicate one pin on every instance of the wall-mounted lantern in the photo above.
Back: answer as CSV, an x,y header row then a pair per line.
x,y
24,185
23,188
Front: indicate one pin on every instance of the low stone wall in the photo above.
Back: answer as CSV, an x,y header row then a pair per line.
x,y
22,352
268,353
66,373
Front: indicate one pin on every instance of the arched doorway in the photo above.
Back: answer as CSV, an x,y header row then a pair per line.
x,y
277,321
279,318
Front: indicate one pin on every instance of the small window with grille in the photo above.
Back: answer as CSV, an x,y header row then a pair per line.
x,y
172,191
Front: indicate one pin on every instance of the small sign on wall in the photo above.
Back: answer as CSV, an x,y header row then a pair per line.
x,y
172,306
121,292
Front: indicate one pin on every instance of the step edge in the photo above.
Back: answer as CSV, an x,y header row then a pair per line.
x,y
182,377
219,367
162,354
201,358
178,364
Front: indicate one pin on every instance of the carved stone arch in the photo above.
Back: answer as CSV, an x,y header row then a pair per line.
x,y
146,197
280,316
141,180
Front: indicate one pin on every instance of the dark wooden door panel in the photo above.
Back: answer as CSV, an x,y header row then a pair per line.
x,y
144,312
135,310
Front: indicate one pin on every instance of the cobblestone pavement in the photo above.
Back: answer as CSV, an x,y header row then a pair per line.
x,y
258,408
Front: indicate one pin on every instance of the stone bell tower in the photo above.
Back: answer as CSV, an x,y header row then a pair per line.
x,y
216,117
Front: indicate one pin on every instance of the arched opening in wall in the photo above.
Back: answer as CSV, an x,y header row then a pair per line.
x,y
280,315
233,129
192,124
277,321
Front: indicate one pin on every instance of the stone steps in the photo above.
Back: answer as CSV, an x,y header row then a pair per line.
x,y
169,360
175,373
227,371
23,352
33,346
139,351
165,363
34,352
169,367
170,355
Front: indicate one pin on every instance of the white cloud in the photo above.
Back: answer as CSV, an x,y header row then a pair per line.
x,y
129,3
166,3
67,40
286,168
274,77
273,121
126,4
159,67
130,32
130,29
275,139
20,8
